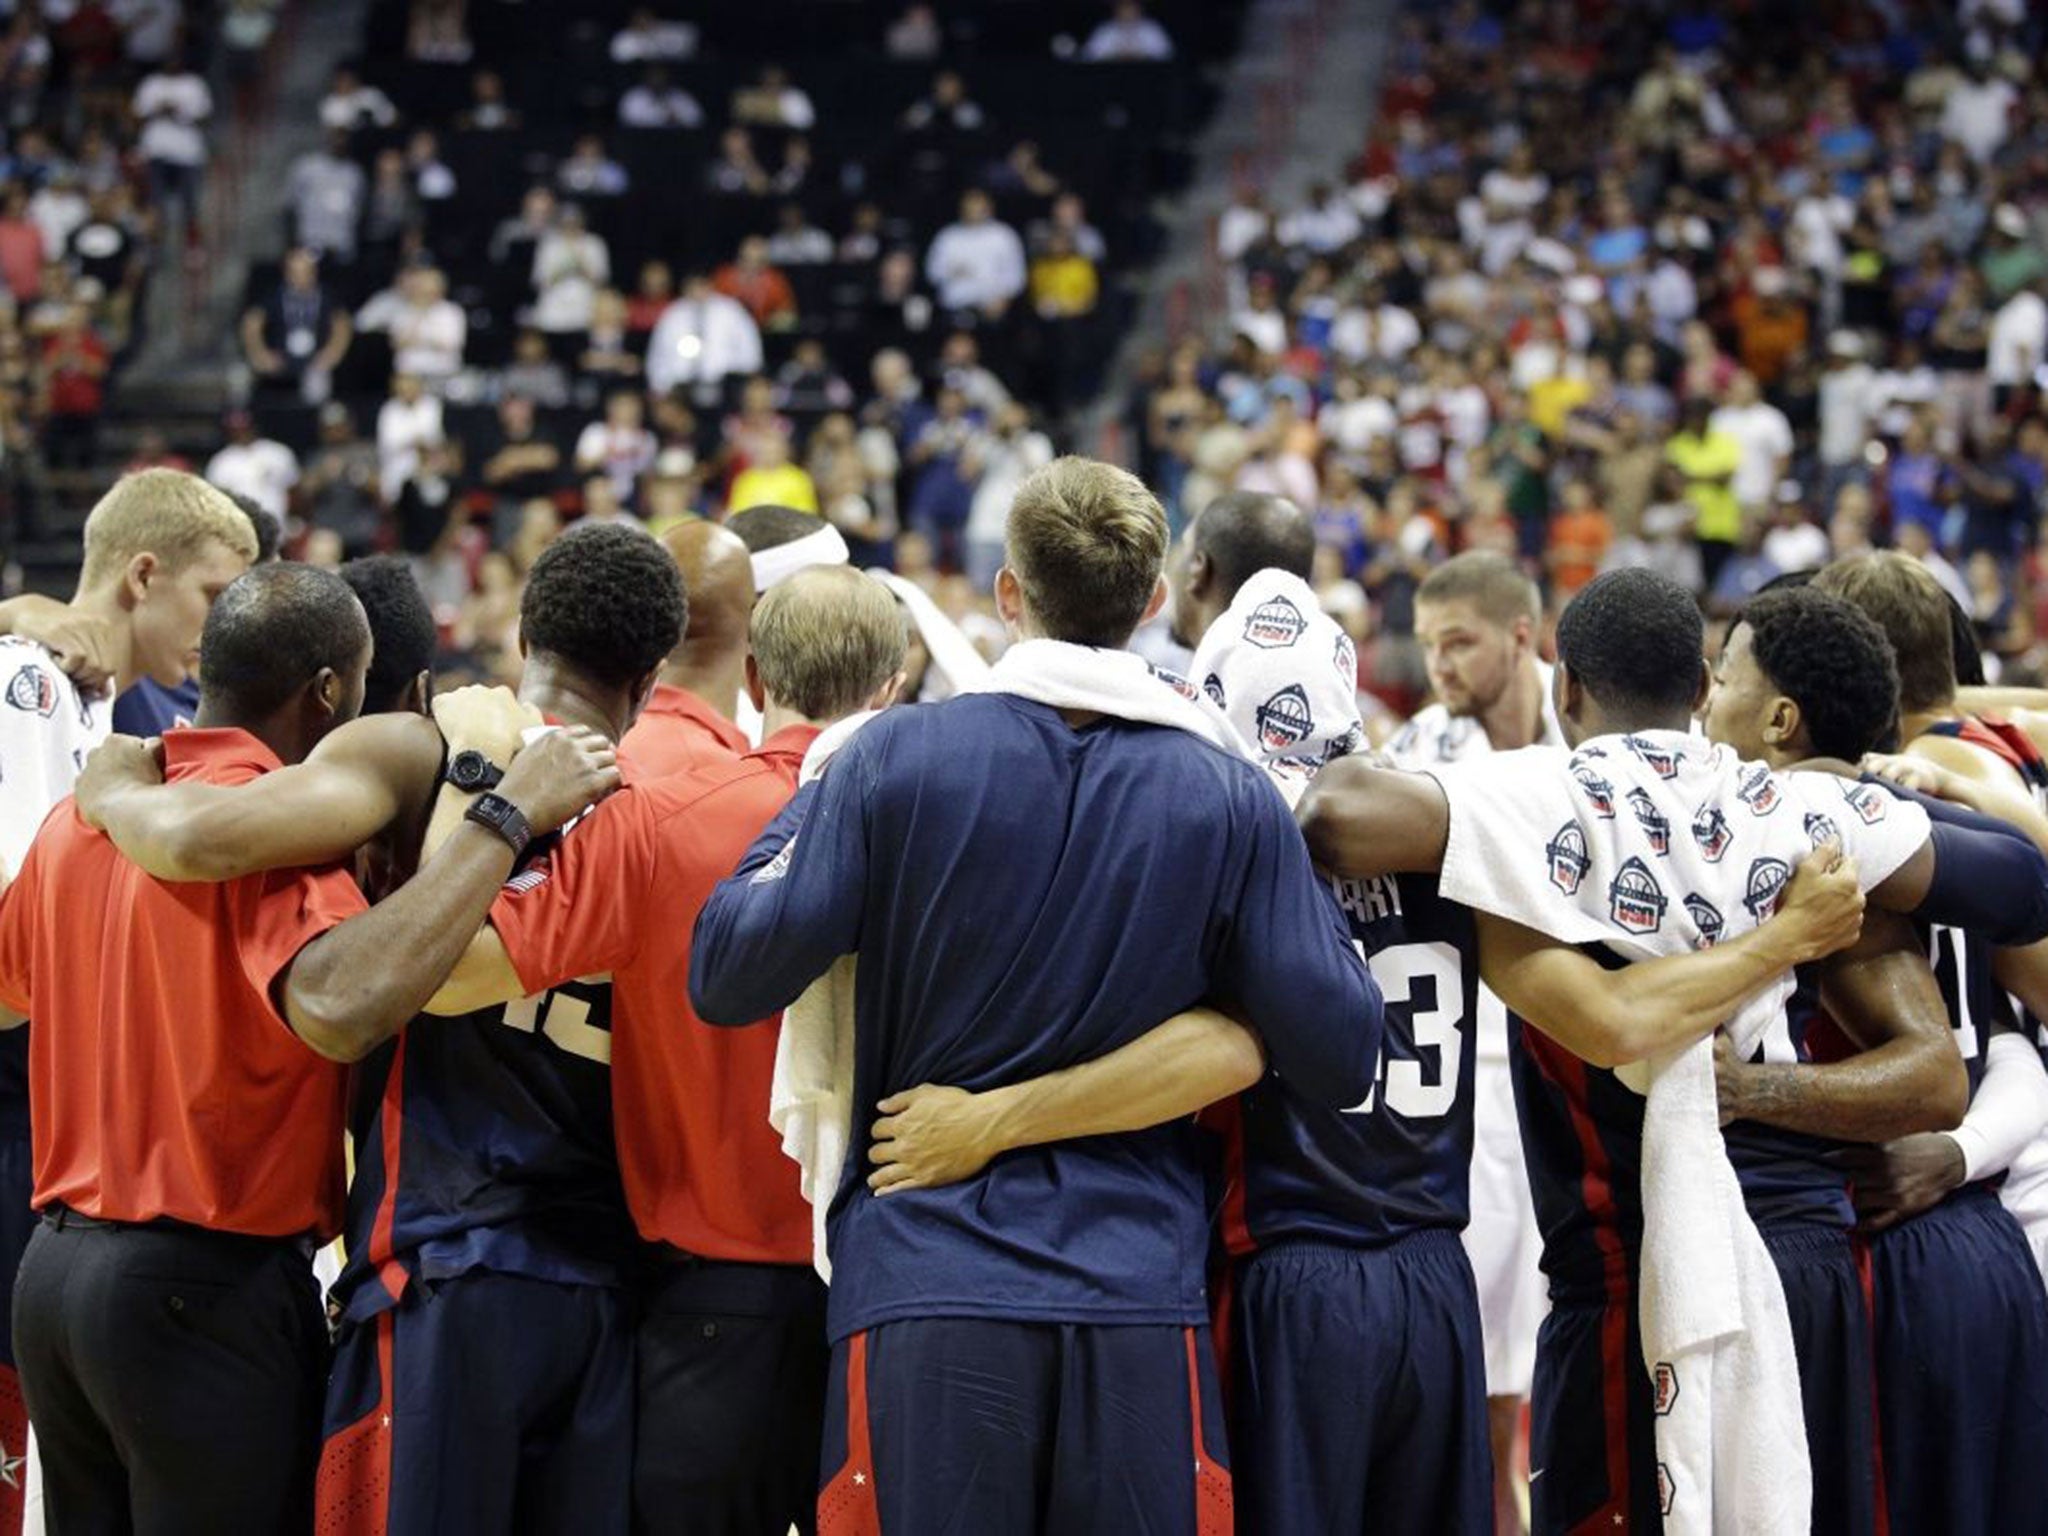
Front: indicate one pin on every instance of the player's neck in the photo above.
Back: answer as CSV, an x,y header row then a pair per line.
x,y
718,683
570,700
1516,718
104,603
1921,721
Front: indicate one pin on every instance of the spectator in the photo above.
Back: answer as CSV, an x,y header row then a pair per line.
x,y
771,480
1580,536
997,462
58,207
758,286
808,383
256,467
1770,326
326,190
74,369
533,374
797,242
21,246
1744,573
862,241
523,466
515,240
432,177
603,504
947,109
736,172
488,111
1765,438
569,266
590,172
700,340
1707,459
1977,110
171,104
408,424
914,36
350,105
428,330
339,489
976,263
655,102
438,32
105,250
1794,542
647,36
609,351
2018,343
391,209
1128,35
773,102
295,339
619,447
943,494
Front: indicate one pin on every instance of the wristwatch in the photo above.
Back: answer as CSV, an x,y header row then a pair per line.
x,y
503,818
471,771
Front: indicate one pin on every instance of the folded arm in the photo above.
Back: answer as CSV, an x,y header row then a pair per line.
x,y
932,1135
1363,820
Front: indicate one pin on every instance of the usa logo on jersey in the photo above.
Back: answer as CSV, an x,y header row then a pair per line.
x,y
1662,761
1568,861
1822,829
1212,685
1759,790
1710,831
1766,881
1274,625
1635,900
1177,683
1869,801
1656,827
1707,918
1284,719
1597,790
1347,660
33,690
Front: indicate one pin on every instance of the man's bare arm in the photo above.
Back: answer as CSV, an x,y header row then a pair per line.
x,y
1963,775
355,783
1364,820
1613,1017
1906,1076
932,1135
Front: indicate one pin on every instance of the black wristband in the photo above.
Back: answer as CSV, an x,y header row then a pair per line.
x,y
503,818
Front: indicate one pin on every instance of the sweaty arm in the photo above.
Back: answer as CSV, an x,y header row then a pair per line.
x,y
1963,775
1974,872
352,786
356,985
1612,1017
1363,820
792,907
1906,1076
929,1135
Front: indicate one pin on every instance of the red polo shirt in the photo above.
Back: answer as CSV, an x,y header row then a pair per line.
x,y
678,731
702,1168
163,1080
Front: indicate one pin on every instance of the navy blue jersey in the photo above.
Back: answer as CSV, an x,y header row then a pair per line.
x,y
1399,1161
1787,1179
1025,896
484,1142
147,708
1582,1138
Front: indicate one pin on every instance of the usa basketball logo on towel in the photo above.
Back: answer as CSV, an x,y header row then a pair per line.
x,y
1822,829
1568,860
1665,1383
1178,684
1710,831
1597,790
1655,827
1635,900
1767,879
1212,685
33,690
1275,625
1284,719
1759,790
1662,760
1869,801
1707,918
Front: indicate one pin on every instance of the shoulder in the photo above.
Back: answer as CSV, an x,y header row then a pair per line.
x,y
34,689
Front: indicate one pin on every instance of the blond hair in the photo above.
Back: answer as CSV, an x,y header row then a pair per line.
x,y
1087,542
162,512
826,639
1912,609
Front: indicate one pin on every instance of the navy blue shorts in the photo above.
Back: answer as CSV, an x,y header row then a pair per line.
x,y
1592,1434
490,1403
1830,1314
1011,1429
1358,1391
1962,1371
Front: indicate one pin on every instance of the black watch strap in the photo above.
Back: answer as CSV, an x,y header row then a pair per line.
x,y
503,818
471,771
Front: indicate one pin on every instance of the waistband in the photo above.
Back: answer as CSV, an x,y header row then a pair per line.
x,y
59,1217
1786,1242
687,1281
1425,1240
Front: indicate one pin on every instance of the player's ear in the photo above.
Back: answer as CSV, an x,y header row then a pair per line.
x,y
1159,595
1009,596
885,695
135,580
1704,687
755,692
1782,721
324,692
419,697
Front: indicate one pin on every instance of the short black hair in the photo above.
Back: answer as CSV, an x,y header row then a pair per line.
x,y
271,632
268,531
1829,657
1635,640
770,527
607,599
1246,532
402,632
1963,639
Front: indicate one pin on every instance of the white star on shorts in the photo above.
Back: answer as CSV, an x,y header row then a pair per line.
x,y
860,1479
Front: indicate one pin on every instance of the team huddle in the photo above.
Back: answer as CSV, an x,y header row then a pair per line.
x,y
1131,1051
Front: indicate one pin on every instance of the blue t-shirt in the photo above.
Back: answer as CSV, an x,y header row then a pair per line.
x,y
1025,896
149,709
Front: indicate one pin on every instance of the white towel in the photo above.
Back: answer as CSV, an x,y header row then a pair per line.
x,y
1655,844
1115,683
1286,676
954,657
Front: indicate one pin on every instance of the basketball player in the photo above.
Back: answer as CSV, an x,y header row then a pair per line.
x,y
173,1348
1027,888
689,720
1476,618
486,1203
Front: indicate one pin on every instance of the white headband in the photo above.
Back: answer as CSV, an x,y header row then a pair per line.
x,y
825,547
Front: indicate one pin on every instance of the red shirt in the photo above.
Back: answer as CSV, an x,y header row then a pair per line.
x,y
678,731
162,1079
703,1170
